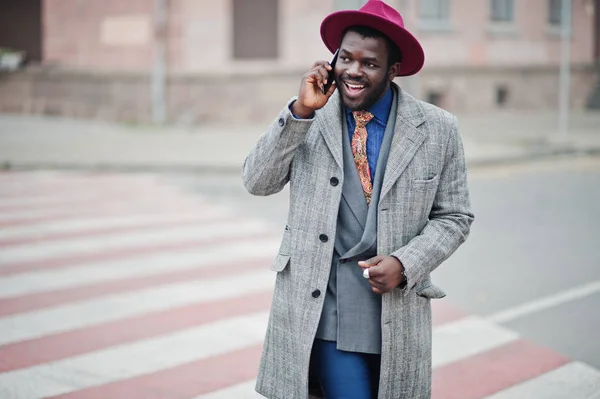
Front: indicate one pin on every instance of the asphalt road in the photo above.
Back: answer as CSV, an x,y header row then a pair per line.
x,y
532,262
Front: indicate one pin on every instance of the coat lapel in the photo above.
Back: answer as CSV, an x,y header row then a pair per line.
x,y
330,126
407,139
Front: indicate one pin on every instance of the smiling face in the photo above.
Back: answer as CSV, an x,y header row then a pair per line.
x,y
362,71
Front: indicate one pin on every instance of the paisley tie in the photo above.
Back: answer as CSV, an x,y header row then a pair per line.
x,y
359,150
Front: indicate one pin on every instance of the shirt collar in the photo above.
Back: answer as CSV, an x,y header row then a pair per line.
x,y
381,109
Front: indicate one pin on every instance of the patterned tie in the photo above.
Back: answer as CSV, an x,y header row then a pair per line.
x,y
359,150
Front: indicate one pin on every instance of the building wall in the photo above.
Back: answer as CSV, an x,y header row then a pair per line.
x,y
105,50
109,35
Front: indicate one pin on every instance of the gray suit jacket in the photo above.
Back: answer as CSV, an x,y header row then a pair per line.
x,y
423,215
352,311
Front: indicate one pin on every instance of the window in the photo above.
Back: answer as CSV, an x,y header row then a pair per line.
x,y
255,29
434,10
349,4
554,12
502,10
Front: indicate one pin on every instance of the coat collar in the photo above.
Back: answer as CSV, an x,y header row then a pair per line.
x,y
407,135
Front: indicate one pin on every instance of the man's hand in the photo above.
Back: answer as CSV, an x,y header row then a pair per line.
x,y
385,273
311,97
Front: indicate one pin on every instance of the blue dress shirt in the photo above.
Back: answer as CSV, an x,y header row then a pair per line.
x,y
375,128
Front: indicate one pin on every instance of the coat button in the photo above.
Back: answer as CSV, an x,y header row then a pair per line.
x,y
323,238
343,260
334,181
316,293
281,122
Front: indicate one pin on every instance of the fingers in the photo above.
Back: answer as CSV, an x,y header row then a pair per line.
x,y
323,64
319,76
377,287
371,262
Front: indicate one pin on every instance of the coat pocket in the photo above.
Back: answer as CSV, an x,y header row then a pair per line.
x,y
280,263
428,290
284,248
431,292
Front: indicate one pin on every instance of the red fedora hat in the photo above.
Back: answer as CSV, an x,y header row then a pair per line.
x,y
379,16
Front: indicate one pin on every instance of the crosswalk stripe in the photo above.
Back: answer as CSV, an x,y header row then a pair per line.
x,y
59,346
244,390
114,206
83,314
138,358
573,381
86,196
82,260
83,245
183,381
30,186
108,210
145,264
165,221
491,371
79,292
67,228
466,337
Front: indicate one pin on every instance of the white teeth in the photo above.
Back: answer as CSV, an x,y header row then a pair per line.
x,y
354,86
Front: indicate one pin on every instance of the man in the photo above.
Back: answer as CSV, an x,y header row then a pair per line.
x,y
378,199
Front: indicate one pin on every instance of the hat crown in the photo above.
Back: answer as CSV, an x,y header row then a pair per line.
x,y
381,9
377,15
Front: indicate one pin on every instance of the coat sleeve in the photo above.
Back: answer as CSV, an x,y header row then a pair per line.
x,y
266,169
449,220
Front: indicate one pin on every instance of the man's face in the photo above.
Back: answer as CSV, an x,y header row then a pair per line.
x,y
361,72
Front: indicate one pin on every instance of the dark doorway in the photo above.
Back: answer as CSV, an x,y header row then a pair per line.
x,y
21,27
255,29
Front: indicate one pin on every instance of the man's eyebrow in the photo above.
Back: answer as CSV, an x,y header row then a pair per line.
x,y
365,59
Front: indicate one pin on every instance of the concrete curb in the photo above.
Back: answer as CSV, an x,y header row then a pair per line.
x,y
232,169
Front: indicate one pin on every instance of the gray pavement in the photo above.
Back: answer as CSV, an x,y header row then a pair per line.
x,y
44,142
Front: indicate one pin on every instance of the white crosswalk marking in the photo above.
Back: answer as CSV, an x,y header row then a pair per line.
x,y
240,391
83,225
140,266
574,380
41,251
467,337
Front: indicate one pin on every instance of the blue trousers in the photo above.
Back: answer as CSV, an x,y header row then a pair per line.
x,y
345,375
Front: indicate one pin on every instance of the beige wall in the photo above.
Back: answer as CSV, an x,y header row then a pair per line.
x,y
110,44
118,35
98,34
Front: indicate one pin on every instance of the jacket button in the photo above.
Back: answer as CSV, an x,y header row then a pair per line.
x,y
323,238
343,260
316,293
334,181
281,122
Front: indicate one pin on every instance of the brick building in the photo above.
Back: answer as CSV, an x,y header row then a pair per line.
x,y
240,60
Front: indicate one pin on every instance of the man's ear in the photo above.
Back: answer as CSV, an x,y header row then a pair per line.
x,y
393,71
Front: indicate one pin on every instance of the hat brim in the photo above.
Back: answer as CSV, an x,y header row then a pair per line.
x,y
334,25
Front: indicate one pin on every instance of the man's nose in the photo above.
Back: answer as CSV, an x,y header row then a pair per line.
x,y
354,69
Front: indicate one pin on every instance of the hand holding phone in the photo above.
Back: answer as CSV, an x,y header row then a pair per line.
x,y
316,88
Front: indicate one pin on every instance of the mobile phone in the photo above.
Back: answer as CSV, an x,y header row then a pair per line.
x,y
331,76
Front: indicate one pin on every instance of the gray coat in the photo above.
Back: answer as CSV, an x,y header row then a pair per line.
x,y
424,214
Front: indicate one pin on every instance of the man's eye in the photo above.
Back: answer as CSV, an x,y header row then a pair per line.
x,y
369,65
345,59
